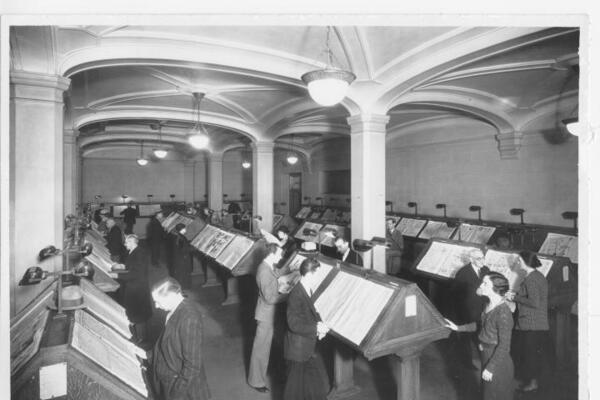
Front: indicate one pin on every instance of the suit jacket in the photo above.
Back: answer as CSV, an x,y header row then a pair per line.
x,y
469,305
136,292
288,248
154,231
353,258
114,241
268,294
178,369
302,318
129,215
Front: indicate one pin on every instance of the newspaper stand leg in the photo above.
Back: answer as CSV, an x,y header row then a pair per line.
x,y
232,296
211,274
407,375
343,373
561,341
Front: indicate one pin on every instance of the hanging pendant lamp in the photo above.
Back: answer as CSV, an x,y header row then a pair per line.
x,y
142,161
328,86
160,152
198,137
292,158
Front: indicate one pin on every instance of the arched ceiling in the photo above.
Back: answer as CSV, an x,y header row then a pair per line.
x,y
126,79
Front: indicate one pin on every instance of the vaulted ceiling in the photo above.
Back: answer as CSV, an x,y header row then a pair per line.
x,y
127,80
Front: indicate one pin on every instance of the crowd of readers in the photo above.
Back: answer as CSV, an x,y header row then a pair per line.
x,y
496,325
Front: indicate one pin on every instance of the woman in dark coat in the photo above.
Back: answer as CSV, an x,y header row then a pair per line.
x,y
531,328
305,378
494,339
136,292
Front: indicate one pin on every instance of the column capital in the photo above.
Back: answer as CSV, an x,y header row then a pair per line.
x,y
263,147
374,123
509,144
215,157
33,86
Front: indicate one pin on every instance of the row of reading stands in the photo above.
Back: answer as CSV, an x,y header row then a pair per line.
x,y
74,332
369,312
435,247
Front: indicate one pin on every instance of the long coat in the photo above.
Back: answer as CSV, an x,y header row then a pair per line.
x,y
302,318
177,366
468,305
136,292
114,241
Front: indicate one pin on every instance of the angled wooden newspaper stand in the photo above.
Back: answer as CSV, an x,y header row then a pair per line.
x,y
376,315
83,349
236,252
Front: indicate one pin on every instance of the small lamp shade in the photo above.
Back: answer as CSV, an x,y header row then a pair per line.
x,y
33,276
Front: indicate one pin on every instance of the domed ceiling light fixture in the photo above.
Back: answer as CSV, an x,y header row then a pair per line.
x,y
142,161
159,152
292,158
328,86
198,137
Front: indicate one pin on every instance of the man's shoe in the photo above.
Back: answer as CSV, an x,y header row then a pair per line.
x,y
262,389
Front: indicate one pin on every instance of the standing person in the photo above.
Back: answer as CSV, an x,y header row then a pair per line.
x,y
177,366
268,297
182,266
129,215
136,292
531,329
305,377
155,236
346,253
494,339
468,305
394,237
114,240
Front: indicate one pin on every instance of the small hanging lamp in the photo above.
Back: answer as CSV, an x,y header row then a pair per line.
x,y
142,161
198,137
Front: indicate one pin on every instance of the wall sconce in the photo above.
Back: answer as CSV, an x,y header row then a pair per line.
x,y
391,204
51,251
478,209
97,198
571,215
518,211
172,196
149,196
319,199
124,197
412,204
307,198
443,206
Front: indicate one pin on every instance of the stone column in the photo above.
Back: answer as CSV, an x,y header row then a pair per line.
x,y
215,181
367,149
71,171
36,177
189,181
262,182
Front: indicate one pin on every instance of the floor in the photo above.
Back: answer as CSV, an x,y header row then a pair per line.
x,y
229,333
